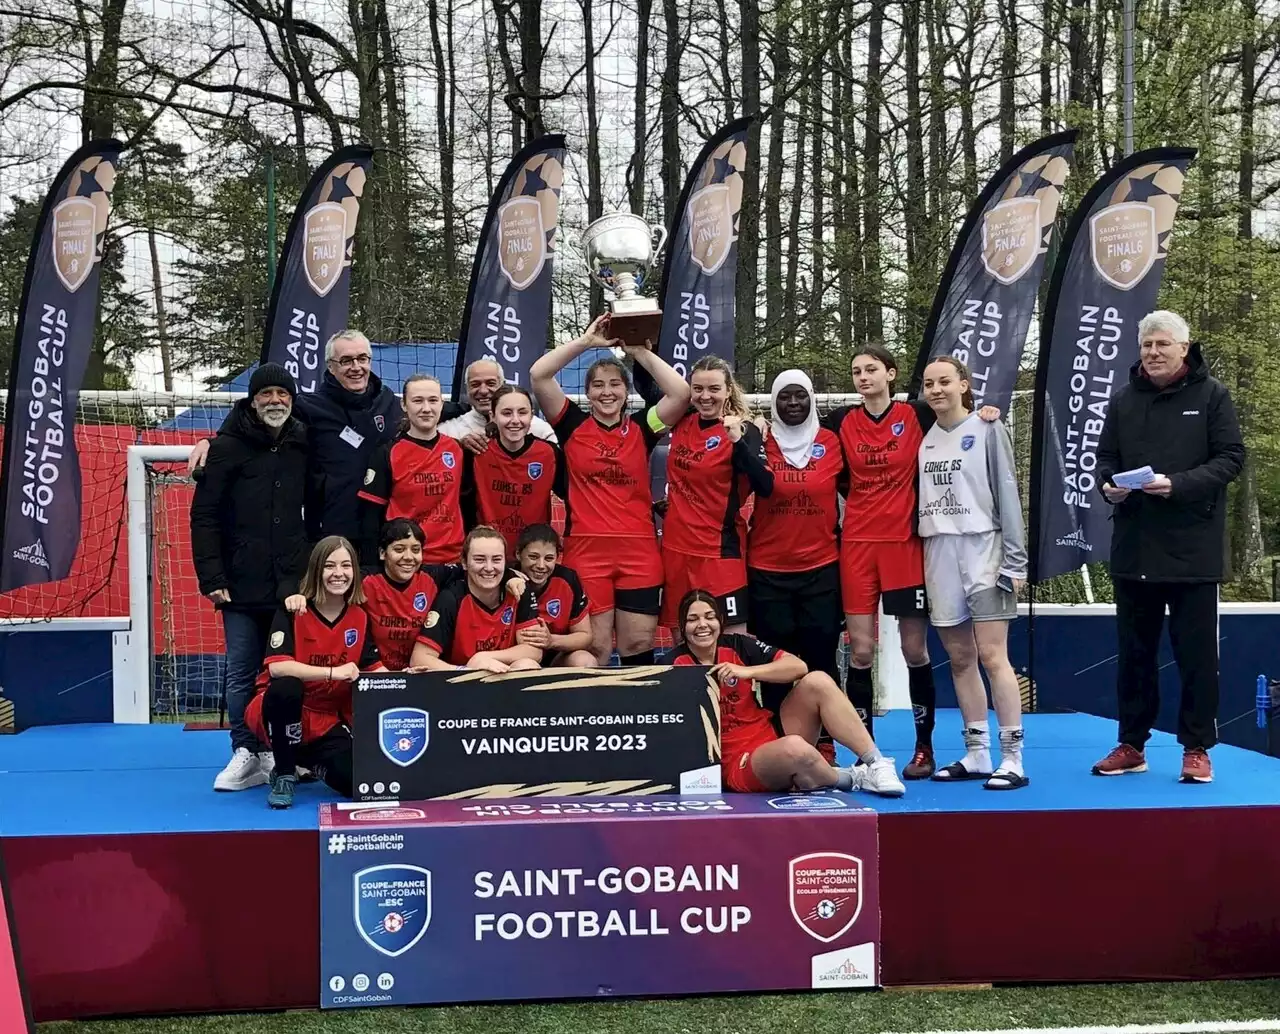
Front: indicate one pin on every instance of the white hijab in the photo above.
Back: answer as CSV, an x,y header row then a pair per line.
x,y
796,443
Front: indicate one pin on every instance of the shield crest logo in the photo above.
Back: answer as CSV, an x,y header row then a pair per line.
x,y
713,442
898,428
420,601
392,906
966,443
710,227
535,471
73,241
507,615
818,451
1011,238
403,734
324,246
522,241
379,421
350,636
553,608
447,459
1123,240
826,893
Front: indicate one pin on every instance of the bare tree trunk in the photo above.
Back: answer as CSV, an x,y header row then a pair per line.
x,y
851,250
503,11
1077,84
791,296
444,138
780,59
670,100
915,216
873,273
1008,76
531,65
635,169
595,187
157,284
726,49
748,279
967,98
1046,67
98,115
817,197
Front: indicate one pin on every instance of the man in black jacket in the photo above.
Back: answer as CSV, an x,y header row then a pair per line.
x,y
249,545
1168,538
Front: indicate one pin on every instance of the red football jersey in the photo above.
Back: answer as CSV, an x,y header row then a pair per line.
x,y
795,528
743,721
309,639
706,487
397,609
882,456
421,480
511,490
460,626
607,474
562,601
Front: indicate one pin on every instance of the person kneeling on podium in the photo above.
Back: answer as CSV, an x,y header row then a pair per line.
x,y
563,631
761,751
476,625
303,707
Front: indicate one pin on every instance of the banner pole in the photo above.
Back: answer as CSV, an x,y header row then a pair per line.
x,y
271,223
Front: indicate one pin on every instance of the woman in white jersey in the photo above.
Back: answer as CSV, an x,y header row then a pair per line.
x,y
974,563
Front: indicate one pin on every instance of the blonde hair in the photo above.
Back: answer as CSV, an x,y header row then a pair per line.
x,y
962,372
480,531
312,586
736,402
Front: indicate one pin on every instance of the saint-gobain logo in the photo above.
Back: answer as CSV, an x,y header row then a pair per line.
x,y
392,906
403,734
1076,540
33,554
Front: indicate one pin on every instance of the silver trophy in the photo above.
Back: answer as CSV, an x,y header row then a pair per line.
x,y
621,250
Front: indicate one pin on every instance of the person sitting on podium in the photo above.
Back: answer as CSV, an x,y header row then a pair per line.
x,y
303,706
476,624
761,751
563,631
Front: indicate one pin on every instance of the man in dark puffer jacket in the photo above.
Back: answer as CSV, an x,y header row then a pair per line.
x,y
249,543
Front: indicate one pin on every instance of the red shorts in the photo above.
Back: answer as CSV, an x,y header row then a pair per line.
x,y
724,578
736,772
622,572
892,570
315,724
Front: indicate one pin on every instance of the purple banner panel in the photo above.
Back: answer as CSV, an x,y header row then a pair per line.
x,y
477,900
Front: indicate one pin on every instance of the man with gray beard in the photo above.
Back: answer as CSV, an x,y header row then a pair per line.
x,y
249,543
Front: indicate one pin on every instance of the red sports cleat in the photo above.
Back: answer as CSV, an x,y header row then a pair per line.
x,y
1121,761
921,765
1196,767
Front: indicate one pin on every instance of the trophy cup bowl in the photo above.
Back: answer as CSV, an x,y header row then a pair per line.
x,y
621,250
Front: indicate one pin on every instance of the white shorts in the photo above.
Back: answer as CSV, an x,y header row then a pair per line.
x,y
960,575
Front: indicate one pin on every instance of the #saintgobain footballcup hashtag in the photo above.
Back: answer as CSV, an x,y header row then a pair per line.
x,y
337,843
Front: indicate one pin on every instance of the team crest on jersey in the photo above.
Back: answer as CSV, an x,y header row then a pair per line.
x,y
731,681
553,608
535,470
713,442
898,427
420,601
379,421
626,427
350,636
447,459
277,640
433,619
507,615
966,443
818,451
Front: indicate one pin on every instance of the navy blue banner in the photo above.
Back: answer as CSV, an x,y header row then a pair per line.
x,y
40,483
984,303
1106,279
508,308
701,267
312,292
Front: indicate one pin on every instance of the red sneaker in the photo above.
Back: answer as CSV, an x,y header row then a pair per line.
x,y
1121,761
828,751
921,765
1196,767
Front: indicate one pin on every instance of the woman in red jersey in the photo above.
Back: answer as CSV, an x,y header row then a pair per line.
x,y
476,624
563,631
881,556
508,486
303,707
419,476
759,750
793,573
610,539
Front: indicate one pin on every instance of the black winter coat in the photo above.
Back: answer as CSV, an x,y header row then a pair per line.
x,y
247,533
1187,431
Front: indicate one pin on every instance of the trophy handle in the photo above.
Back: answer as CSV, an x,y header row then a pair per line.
x,y
660,233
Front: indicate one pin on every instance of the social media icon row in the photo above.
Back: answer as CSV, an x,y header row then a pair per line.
x,y
360,983
380,788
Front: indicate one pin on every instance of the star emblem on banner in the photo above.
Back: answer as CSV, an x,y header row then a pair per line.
x,y
89,184
1031,183
1144,188
339,188
721,169
533,182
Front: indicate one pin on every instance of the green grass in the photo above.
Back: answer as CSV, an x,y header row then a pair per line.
x,y
831,1013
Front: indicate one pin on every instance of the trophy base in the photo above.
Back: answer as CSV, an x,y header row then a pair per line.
x,y
635,328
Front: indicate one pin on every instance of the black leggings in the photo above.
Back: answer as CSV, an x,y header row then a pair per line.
x,y
800,613
329,757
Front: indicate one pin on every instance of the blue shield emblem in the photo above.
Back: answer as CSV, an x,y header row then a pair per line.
x,y
447,459
350,636
535,470
553,608
420,601
898,427
392,906
966,443
507,615
818,451
713,442
403,734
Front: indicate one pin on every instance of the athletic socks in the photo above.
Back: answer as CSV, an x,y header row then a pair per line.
x,y
977,745
924,702
867,757
844,779
861,694
636,660
1011,737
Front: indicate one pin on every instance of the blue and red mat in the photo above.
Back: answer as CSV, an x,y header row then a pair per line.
x,y
111,779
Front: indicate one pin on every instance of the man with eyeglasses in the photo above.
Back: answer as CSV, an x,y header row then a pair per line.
x,y
1168,537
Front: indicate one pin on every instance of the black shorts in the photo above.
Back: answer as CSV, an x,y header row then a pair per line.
x,y
780,604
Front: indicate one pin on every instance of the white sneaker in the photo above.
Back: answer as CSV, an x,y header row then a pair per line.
x,y
243,771
268,762
881,777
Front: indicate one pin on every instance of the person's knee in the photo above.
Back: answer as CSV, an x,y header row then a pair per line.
x,y
963,658
915,649
817,686
524,664
994,656
580,659
808,768
634,640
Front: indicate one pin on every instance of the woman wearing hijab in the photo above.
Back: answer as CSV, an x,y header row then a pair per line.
x,y
793,553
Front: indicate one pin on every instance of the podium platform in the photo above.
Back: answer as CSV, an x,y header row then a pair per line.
x,y
136,888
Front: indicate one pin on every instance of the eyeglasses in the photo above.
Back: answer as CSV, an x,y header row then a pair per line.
x,y
348,361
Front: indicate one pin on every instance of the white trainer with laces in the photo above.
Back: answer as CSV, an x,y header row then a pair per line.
x,y
268,762
243,771
881,777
